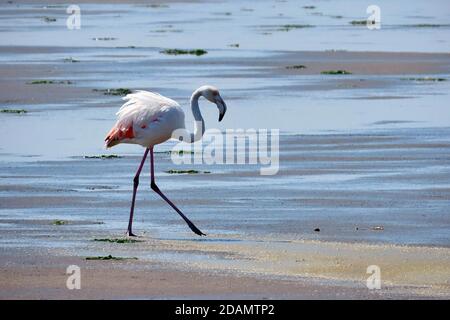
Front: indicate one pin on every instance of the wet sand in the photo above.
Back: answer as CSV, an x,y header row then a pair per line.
x,y
363,180
44,277
218,267
16,80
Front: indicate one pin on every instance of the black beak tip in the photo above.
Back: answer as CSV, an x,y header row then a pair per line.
x,y
221,116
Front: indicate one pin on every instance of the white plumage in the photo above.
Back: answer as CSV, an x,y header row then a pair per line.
x,y
151,117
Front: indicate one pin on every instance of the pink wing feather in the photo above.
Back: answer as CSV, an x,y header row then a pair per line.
x,y
141,108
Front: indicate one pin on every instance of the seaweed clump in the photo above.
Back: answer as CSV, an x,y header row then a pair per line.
x,y
175,52
118,240
335,72
103,156
297,66
430,79
114,92
16,111
59,222
289,27
185,171
110,257
50,82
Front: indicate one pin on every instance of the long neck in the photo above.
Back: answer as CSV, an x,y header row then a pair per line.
x,y
199,122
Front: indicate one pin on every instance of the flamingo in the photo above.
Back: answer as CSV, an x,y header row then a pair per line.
x,y
148,119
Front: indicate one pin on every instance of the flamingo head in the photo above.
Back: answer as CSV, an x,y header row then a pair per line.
x,y
212,95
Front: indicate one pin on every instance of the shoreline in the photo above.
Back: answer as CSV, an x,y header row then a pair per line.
x,y
46,279
119,280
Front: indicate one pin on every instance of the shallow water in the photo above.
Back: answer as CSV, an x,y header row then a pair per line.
x,y
399,182
255,25
258,99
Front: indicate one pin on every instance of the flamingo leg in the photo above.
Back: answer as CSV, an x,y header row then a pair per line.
x,y
135,186
156,189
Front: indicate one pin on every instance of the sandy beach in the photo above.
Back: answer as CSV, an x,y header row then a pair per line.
x,y
364,157
42,276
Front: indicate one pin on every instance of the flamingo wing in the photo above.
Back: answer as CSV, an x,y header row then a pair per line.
x,y
141,109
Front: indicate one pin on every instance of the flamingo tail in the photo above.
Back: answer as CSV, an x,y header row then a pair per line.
x,y
117,134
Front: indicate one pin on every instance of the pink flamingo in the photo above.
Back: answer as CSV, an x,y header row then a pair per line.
x,y
148,119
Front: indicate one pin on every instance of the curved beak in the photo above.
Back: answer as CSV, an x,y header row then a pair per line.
x,y
221,106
